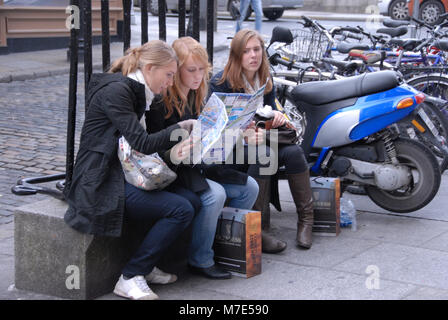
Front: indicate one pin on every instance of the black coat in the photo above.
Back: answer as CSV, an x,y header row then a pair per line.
x,y
193,178
96,196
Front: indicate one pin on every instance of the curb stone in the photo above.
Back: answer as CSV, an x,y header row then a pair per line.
x,y
5,78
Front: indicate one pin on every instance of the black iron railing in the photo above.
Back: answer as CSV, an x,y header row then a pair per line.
x,y
28,186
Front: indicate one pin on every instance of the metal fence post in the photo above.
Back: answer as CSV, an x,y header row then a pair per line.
x,y
194,9
182,18
210,28
144,19
87,13
126,25
71,116
162,20
105,34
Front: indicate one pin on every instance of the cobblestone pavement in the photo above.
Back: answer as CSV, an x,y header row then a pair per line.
x,y
33,130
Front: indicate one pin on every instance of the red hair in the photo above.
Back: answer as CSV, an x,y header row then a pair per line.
x,y
184,48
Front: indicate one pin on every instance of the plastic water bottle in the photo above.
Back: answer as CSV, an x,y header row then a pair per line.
x,y
348,213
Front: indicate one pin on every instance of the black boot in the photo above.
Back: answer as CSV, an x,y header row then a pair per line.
x,y
299,184
268,243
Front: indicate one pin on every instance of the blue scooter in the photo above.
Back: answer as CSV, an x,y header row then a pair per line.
x,y
350,131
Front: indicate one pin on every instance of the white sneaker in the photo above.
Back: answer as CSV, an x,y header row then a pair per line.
x,y
135,288
157,276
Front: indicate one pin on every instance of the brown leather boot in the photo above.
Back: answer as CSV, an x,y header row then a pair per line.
x,y
268,243
299,184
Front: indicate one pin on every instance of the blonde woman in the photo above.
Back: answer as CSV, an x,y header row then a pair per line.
x,y
246,70
99,199
214,184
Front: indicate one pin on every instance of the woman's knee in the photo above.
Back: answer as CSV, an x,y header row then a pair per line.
x,y
252,188
294,159
215,196
195,203
184,213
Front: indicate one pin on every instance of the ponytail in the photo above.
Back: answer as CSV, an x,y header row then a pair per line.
x,y
155,52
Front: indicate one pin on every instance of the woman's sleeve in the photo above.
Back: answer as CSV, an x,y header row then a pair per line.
x,y
119,108
215,87
155,118
212,87
269,99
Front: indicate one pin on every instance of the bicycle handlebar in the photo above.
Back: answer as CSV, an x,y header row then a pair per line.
x,y
351,35
421,23
351,29
319,25
275,58
312,23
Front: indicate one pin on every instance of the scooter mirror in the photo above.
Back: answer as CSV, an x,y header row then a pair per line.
x,y
280,34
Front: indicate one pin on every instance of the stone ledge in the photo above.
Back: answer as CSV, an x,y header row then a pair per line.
x,y
46,249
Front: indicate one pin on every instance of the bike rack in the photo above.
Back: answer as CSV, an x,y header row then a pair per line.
x,y
26,186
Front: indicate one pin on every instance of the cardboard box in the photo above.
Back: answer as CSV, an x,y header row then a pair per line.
x,y
326,196
237,243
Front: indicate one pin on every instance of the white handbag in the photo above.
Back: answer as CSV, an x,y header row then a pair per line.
x,y
147,172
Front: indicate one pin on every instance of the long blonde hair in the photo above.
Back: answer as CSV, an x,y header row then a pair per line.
x,y
184,48
156,52
233,69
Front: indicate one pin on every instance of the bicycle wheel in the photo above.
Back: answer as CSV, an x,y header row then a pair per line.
x,y
436,86
441,124
433,85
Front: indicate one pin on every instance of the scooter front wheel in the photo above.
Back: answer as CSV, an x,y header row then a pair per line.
x,y
424,184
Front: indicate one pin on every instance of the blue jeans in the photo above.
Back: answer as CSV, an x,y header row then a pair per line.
x,y
258,9
205,222
170,211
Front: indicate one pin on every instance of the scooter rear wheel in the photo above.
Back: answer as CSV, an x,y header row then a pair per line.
x,y
424,184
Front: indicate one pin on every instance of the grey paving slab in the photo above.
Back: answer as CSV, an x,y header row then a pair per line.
x,y
437,243
426,293
7,246
380,225
6,230
325,252
7,274
436,209
185,289
397,229
402,263
280,280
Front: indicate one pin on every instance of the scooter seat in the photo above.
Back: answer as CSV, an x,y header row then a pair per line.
x,y
407,44
345,47
323,92
395,23
441,45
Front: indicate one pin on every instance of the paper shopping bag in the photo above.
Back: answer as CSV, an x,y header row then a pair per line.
x,y
237,243
326,197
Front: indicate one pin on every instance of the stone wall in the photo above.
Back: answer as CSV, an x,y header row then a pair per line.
x,y
343,6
